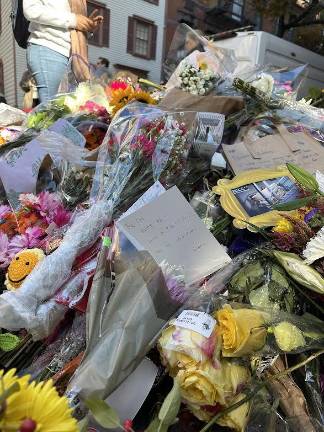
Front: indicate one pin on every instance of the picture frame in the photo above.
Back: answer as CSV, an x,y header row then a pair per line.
x,y
250,195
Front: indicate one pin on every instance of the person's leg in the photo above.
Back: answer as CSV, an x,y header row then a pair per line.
x,y
47,67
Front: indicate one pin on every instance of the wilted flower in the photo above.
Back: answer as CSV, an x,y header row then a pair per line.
x,y
288,336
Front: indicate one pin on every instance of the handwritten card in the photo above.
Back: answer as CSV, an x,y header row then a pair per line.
x,y
169,229
151,194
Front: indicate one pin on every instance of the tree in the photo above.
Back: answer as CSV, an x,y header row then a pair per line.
x,y
305,13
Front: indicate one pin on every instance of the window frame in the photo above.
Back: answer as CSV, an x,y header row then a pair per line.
x,y
154,2
152,38
103,10
240,4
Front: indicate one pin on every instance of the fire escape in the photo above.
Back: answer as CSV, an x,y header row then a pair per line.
x,y
219,15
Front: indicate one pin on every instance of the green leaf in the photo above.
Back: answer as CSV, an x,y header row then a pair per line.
x,y
104,415
8,342
303,177
10,391
295,204
83,425
170,407
156,425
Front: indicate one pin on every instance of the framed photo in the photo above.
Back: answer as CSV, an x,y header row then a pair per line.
x,y
250,196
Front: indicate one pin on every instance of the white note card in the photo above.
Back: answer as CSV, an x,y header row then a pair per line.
x,y
197,321
151,194
169,229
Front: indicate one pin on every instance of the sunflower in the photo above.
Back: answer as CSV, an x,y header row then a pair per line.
x,y
39,408
145,97
121,97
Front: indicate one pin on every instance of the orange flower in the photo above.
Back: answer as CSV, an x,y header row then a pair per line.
x,y
9,225
26,220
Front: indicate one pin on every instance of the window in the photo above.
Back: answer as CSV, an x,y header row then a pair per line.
x,y
237,9
101,36
142,35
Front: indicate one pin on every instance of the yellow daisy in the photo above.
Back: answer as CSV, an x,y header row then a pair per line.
x,y
145,97
121,97
6,381
283,226
39,408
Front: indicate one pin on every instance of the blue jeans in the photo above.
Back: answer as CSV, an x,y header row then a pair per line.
x,y
47,67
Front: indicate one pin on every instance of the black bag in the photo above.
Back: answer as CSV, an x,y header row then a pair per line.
x,y
19,23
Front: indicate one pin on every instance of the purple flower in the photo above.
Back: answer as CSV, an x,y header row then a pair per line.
x,y
4,210
31,239
310,215
61,216
48,204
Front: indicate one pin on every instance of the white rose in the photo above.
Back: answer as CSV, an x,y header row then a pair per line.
x,y
202,91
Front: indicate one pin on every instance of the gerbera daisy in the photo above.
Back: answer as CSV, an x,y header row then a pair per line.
x,y
145,97
7,380
39,408
121,97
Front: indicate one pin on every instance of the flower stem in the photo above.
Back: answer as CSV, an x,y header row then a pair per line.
x,y
258,387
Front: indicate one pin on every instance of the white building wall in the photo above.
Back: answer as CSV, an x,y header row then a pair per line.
x,y
14,58
117,51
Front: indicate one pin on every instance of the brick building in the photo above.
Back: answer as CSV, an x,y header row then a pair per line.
x,y
214,16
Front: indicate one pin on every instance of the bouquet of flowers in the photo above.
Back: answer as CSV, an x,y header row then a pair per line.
x,y
197,80
120,93
143,145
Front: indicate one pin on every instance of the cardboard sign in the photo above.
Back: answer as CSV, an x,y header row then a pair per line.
x,y
169,229
274,150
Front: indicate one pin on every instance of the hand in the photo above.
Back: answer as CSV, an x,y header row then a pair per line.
x,y
97,19
84,23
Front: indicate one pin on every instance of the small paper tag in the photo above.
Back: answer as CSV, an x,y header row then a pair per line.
x,y
199,322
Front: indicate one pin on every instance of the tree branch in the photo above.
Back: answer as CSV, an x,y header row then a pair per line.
x,y
307,23
311,9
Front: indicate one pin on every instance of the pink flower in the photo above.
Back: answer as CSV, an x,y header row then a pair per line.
x,y
61,216
93,107
208,346
31,239
4,254
118,85
28,200
4,210
47,206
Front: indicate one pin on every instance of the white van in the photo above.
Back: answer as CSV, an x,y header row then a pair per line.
x,y
261,48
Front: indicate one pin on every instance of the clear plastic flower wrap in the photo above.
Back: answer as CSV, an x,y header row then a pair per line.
x,y
185,41
131,299
281,82
143,144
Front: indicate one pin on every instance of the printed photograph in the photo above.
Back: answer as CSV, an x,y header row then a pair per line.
x,y
258,198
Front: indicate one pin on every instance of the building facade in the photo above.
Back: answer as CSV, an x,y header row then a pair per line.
x,y
215,16
132,38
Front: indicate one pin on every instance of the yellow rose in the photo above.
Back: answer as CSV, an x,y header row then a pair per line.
x,y
236,419
241,331
288,336
202,384
180,346
235,376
